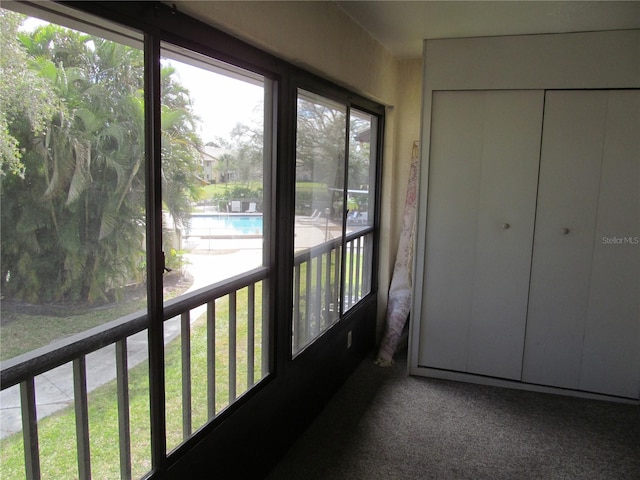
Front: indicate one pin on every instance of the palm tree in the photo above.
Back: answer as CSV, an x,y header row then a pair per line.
x,y
78,214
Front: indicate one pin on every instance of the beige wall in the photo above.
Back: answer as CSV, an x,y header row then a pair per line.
x,y
321,38
318,36
406,131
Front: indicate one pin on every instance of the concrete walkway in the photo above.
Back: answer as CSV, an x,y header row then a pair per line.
x,y
54,389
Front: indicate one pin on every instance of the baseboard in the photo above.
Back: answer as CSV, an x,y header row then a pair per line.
x,y
499,382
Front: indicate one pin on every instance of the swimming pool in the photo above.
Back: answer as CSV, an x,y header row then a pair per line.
x,y
212,225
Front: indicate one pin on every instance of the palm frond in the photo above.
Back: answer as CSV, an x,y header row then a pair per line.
x,y
82,173
108,223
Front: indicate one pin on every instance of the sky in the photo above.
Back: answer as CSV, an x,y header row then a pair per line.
x,y
219,101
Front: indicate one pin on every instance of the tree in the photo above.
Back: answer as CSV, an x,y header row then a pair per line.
x,y
320,156
320,143
181,146
359,154
73,221
24,95
248,149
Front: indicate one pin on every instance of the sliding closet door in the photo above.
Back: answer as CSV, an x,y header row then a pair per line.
x,y
583,328
483,172
611,352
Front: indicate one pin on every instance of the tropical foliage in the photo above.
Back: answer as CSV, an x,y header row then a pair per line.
x,y
73,189
24,94
320,155
247,143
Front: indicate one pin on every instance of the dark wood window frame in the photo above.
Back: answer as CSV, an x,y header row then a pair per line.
x,y
268,418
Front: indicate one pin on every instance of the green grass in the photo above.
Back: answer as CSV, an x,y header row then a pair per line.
x,y
57,432
26,332
311,186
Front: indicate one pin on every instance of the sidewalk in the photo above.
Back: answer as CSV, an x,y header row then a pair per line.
x,y
54,389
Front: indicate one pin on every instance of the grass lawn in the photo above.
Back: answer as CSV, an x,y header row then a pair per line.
x,y
26,332
25,329
57,432
208,191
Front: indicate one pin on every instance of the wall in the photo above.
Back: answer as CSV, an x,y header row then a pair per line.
x,y
396,174
317,36
323,39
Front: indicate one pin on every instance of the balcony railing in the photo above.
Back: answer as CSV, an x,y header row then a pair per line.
x,y
317,297
23,369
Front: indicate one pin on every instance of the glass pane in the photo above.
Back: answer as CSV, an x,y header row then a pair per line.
x,y
73,205
73,220
319,209
213,162
360,205
362,174
213,170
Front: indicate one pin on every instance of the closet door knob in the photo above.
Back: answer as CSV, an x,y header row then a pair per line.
x,y
505,226
565,231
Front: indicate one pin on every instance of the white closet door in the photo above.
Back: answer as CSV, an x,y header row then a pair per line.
x,y
570,164
582,326
611,352
483,171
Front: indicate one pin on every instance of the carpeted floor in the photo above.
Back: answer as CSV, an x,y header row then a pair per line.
x,y
384,424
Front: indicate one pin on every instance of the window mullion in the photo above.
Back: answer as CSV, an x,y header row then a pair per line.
x,y
155,256
345,198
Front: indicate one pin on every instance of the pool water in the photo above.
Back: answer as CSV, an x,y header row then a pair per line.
x,y
222,224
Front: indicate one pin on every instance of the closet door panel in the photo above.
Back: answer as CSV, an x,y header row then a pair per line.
x,y
611,353
481,208
454,186
506,213
570,166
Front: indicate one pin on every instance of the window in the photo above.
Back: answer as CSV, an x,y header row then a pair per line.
x,y
213,234
73,239
142,223
334,207
360,211
74,230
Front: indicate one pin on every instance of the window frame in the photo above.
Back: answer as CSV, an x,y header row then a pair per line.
x,y
308,87
159,23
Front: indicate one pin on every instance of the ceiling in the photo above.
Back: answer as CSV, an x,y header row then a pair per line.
x,y
402,25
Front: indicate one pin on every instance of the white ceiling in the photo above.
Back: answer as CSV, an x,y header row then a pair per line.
x,y
402,25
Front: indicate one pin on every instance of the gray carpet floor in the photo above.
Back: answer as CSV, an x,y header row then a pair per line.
x,y
384,424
